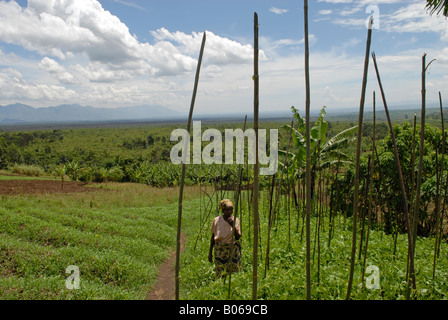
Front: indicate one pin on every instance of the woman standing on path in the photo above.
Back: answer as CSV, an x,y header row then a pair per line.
x,y
225,228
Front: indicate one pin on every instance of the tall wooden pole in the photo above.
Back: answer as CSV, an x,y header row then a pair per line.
x,y
358,155
182,179
308,156
420,167
256,166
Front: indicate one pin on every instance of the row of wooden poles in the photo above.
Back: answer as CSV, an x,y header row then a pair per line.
x,y
410,225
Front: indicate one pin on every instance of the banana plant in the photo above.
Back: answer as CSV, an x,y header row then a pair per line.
x,y
60,172
437,6
324,152
73,168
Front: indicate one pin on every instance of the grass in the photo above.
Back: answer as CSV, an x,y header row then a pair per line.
x,y
16,178
6,175
27,170
286,277
117,238
118,235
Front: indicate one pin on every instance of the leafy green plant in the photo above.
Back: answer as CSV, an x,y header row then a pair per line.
x,y
27,170
116,247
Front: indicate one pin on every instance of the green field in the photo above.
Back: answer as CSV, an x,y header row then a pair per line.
x,y
121,230
116,237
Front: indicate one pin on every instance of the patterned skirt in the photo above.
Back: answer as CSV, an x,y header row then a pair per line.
x,y
223,263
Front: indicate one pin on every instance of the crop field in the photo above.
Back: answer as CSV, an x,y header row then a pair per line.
x,y
348,206
111,211
116,235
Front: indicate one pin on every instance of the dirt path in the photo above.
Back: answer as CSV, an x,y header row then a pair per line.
x,y
165,286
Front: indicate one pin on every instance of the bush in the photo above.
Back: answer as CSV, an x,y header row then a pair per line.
x,y
27,170
115,174
85,175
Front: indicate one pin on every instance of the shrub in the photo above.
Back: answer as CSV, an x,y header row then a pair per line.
x,y
115,174
27,170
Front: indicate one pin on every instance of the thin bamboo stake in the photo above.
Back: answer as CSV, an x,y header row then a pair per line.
x,y
237,204
438,235
400,174
249,192
385,203
413,212
332,209
372,172
271,197
182,179
319,222
358,155
414,216
256,166
290,188
308,156
420,165
271,216
363,208
446,183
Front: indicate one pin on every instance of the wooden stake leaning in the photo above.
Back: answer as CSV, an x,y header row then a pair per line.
x,y
182,179
400,174
439,224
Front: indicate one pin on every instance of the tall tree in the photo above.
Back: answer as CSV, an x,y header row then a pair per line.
x,y
437,6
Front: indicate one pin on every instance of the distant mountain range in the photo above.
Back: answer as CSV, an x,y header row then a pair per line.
x,y
21,113
17,114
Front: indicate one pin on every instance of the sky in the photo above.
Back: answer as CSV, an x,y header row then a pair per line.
x,y
118,53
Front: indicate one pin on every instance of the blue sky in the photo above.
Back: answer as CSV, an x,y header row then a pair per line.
x,y
111,53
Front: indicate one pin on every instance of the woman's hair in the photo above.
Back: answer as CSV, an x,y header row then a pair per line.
x,y
225,204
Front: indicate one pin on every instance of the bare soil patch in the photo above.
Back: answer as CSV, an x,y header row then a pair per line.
x,y
19,187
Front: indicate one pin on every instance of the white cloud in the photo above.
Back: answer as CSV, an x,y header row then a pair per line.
x,y
413,18
278,10
325,12
56,28
130,4
12,73
13,87
218,51
83,47
64,29
59,72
